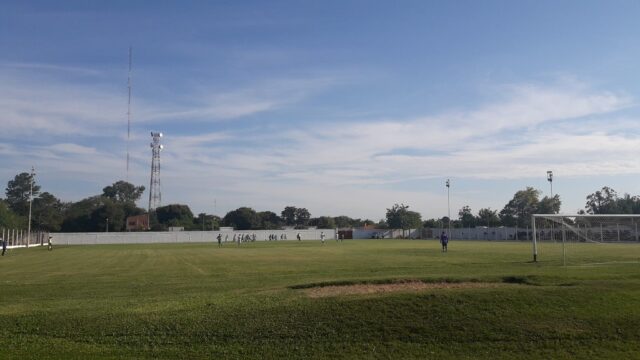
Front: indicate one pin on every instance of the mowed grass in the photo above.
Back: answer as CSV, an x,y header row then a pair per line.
x,y
194,301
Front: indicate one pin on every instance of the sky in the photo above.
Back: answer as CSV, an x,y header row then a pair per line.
x,y
341,107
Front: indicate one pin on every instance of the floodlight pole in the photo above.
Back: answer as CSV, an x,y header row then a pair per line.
x,y
550,180
33,174
448,208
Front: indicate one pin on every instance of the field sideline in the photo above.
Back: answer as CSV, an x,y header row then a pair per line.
x,y
200,301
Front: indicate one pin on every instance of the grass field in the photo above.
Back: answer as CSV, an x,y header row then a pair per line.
x,y
199,301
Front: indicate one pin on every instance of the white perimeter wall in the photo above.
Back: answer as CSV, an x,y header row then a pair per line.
x,y
181,236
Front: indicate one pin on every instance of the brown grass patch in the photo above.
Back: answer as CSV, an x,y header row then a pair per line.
x,y
408,286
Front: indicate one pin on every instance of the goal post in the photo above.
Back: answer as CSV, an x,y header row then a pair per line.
x,y
564,229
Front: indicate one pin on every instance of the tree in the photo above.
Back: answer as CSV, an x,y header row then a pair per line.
x,y
466,217
177,215
629,204
323,222
431,223
488,217
549,205
109,214
78,216
302,217
603,201
382,224
8,219
289,215
293,216
399,217
518,210
18,191
205,222
343,221
243,218
123,192
269,220
47,212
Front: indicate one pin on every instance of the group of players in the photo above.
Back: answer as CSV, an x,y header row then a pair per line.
x,y
3,242
240,238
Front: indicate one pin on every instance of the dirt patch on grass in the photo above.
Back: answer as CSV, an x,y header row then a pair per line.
x,y
408,286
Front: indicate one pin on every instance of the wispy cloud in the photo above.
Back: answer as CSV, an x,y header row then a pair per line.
x,y
368,161
43,104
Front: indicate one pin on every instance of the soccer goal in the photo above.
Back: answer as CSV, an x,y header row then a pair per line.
x,y
586,238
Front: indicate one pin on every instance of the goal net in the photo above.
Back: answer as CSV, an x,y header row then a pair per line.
x,y
584,239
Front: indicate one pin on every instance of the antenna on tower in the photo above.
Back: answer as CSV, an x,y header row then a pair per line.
x,y
155,196
129,110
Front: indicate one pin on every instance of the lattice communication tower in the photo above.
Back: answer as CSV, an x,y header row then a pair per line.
x,y
155,195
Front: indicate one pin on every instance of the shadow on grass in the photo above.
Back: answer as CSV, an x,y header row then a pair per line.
x,y
521,280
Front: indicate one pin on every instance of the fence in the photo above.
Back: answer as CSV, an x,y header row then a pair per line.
x,y
185,236
17,238
482,233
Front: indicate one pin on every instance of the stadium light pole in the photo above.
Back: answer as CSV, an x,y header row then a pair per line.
x,y
33,174
550,180
448,209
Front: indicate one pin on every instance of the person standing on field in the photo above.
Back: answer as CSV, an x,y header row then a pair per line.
x,y
219,240
444,241
322,237
4,246
299,237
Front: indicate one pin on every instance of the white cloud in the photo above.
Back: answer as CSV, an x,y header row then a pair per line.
x,y
338,166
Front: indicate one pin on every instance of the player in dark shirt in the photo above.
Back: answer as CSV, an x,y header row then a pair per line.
x,y
444,240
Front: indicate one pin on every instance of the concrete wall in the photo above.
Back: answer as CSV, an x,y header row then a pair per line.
x,y
482,233
180,236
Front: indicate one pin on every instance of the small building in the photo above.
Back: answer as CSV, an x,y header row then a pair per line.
x,y
138,222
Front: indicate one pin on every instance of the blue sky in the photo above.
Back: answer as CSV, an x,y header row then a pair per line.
x,y
342,107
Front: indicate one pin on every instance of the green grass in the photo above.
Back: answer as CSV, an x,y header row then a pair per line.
x,y
198,301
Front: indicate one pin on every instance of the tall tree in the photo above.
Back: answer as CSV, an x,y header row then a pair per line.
x,y
17,192
400,217
603,201
518,210
123,192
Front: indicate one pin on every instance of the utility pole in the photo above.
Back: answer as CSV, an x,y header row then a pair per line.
x,y
32,178
550,180
129,110
448,208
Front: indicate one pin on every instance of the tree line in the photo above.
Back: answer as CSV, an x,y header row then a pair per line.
x,y
110,209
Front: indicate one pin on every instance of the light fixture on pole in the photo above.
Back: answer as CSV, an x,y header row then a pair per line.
x,y
31,178
550,180
448,209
